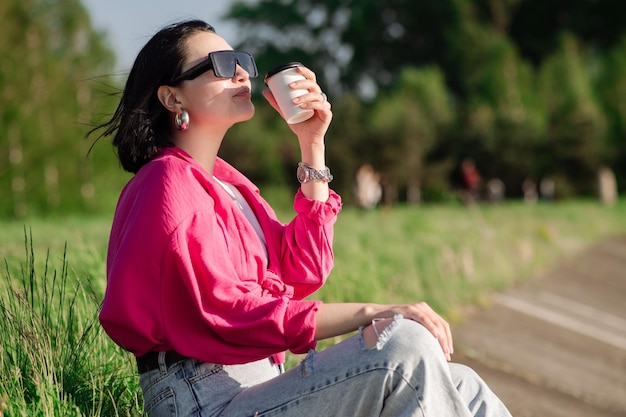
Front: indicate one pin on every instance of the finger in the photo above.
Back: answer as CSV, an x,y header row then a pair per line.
x,y
437,326
432,325
308,74
441,335
444,334
446,340
310,81
313,97
322,110
449,337
310,86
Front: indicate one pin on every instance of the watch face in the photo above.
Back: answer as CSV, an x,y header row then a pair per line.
x,y
301,174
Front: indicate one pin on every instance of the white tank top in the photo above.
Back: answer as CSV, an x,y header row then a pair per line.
x,y
241,202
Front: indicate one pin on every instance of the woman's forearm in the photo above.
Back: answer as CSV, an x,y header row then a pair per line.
x,y
341,318
313,156
336,319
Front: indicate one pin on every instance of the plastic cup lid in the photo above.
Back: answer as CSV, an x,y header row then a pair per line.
x,y
280,68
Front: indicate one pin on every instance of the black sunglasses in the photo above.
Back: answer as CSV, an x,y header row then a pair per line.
x,y
223,64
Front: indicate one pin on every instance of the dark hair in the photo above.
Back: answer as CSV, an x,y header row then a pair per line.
x,y
140,123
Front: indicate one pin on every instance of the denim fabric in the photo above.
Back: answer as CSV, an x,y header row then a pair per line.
x,y
404,375
194,388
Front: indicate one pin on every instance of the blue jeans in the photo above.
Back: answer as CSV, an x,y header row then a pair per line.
x,y
404,375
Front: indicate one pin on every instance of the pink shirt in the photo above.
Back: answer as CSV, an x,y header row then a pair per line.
x,y
187,272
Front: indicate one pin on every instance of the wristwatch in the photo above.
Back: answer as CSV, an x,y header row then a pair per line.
x,y
306,173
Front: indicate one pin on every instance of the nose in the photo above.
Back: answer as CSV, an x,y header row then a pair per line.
x,y
241,74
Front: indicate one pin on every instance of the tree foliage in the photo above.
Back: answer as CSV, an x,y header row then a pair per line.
x,y
406,124
577,124
49,53
360,45
610,85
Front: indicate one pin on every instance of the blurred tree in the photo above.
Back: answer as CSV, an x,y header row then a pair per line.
x,y
362,45
536,25
498,14
576,139
350,144
48,52
356,45
611,86
502,119
407,123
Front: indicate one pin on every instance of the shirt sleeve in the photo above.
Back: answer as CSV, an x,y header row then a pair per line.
x,y
208,302
305,245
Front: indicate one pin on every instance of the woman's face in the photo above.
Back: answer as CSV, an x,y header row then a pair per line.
x,y
210,100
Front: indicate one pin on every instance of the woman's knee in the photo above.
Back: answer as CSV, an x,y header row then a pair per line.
x,y
403,337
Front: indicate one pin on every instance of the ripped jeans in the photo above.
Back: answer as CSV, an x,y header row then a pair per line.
x,y
404,375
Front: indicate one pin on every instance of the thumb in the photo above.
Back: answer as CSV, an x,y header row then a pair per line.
x,y
270,99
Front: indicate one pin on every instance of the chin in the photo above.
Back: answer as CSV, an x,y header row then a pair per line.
x,y
241,113
249,113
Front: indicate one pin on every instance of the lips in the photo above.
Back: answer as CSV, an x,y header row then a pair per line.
x,y
243,93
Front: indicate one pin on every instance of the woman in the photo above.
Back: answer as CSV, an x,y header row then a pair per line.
x,y
206,287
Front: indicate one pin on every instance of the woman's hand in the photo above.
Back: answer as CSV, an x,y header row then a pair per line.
x,y
310,132
425,315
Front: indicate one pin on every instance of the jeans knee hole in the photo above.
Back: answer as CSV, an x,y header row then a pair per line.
x,y
383,332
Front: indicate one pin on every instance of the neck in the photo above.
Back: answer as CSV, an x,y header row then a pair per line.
x,y
202,146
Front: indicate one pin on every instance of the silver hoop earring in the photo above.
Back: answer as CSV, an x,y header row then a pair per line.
x,y
182,120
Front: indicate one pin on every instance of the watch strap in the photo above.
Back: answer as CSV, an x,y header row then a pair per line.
x,y
307,173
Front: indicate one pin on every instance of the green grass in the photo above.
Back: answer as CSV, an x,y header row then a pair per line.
x,y
56,361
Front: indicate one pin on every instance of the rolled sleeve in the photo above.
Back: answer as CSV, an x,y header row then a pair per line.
x,y
322,212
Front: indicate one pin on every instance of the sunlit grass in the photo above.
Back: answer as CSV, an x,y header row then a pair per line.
x,y
451,256
56,360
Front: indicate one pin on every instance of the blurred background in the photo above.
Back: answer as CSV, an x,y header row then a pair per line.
x,y
433,101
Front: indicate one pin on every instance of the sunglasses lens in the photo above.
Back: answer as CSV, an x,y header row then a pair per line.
x,y
225,63
247,63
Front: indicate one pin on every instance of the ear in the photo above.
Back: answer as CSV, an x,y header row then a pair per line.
x,y
168,98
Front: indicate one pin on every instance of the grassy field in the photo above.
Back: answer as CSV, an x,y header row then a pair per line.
x,y
57,362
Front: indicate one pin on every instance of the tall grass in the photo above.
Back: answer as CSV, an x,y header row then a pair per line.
x,y
56,361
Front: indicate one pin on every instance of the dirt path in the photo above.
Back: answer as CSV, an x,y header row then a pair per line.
x,y
556,346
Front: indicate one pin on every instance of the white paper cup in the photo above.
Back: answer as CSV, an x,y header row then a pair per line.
x,y
278,80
